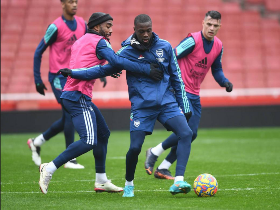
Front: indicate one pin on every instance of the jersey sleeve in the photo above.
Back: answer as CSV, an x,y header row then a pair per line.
x,y
178,84
217,70
105,51
94,72
48,39
185,47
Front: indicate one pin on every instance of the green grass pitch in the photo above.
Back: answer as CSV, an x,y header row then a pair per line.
x,y
245,162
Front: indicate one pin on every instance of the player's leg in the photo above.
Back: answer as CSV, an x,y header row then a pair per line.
x,y
179,126
35,143
136,142
141,123
84,121
102,184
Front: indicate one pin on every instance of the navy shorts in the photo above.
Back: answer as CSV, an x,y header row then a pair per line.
x,y
58,84
144,119
87,119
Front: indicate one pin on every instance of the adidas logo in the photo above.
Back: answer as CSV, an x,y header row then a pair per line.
x,y
141,57
202,63
72,40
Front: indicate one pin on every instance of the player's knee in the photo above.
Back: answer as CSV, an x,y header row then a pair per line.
x,y
135,150
186,134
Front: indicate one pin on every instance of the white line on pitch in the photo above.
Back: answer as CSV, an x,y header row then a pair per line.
x,y
233,189
92,180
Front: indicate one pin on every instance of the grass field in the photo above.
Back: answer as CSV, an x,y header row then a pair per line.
x,y
245,162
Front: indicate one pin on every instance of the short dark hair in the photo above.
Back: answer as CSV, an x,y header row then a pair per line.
x,y
142,18
214,15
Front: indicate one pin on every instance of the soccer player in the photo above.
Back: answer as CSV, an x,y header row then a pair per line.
x,y
90,50
196,54
60,36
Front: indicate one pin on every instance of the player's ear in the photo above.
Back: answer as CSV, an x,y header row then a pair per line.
x,y
134,28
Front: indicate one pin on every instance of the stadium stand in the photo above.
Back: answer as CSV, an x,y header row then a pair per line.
x,y
251,44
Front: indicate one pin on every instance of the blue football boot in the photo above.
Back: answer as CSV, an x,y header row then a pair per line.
x,y
180,187
128,191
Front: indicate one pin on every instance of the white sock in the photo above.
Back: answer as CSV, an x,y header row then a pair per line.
x,y
178,178
157,150
101,178
51,168
39,140
164,165
127,183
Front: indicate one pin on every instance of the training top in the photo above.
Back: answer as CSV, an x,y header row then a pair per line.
x,y
83,54
60,36
195,56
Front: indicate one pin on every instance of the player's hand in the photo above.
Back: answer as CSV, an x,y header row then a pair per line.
x,y
229,86
155,72
104,80
40,87
65,72
116,75
188,115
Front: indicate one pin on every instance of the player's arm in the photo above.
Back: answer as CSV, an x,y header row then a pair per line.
x,y
105,51
94,72
185,47
178,85
218,74
49,38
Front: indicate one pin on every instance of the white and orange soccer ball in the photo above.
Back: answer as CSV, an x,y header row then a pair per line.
x,y
205,185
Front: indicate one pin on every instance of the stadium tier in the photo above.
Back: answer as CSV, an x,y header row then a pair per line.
x,y
250,60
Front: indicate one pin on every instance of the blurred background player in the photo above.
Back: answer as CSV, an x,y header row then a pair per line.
x,y
196,54
60,36
93,49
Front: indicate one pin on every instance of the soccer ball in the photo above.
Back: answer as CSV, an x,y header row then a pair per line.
x,y
205,185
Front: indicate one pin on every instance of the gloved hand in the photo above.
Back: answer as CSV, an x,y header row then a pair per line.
x,y
65,72
155,72
116,75
40,87
188,115
104,80
229,86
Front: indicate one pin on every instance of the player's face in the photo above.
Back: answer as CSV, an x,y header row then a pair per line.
x,y
210,27
106,29
70,7
143,32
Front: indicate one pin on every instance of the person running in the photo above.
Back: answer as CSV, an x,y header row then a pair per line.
x,y
196,54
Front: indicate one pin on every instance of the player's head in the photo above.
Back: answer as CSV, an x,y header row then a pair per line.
x,y
211,24
102,23
69,7
143,28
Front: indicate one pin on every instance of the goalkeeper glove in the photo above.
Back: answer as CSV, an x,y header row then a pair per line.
x,y
65,72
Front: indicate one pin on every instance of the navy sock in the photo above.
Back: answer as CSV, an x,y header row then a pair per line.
x,y
136,141
74,150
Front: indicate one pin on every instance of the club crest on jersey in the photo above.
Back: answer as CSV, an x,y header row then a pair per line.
x,y
159,53
136,123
